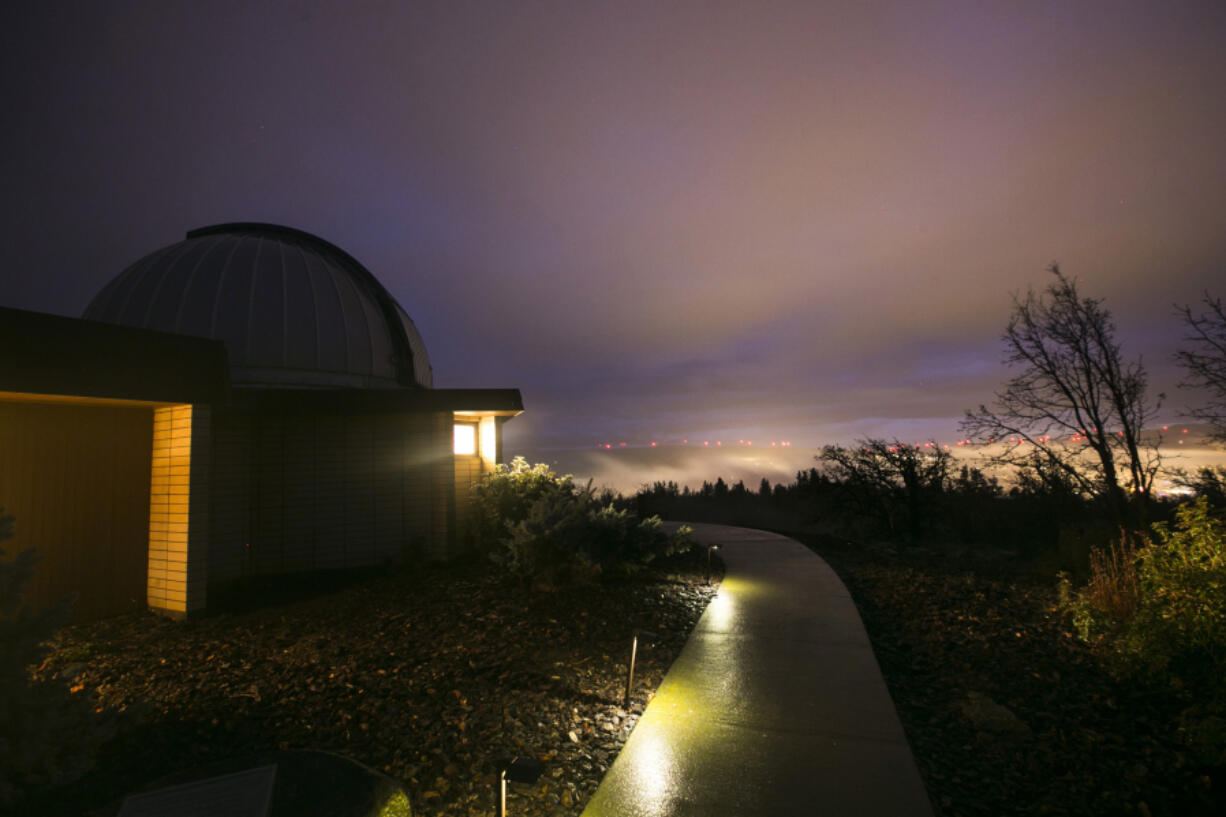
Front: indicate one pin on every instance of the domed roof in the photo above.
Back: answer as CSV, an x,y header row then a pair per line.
x,y
292,309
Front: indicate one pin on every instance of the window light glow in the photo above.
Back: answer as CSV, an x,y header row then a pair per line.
x,y
465,439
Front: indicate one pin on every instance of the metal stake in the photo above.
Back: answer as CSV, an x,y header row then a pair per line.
x,y
634,649
649,638
519,770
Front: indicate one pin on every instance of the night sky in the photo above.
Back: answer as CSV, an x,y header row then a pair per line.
x,y
658,220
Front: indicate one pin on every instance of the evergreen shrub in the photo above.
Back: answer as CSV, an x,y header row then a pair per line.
x,y
544,528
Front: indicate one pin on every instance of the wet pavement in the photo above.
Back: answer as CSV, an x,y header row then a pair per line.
x,y
776,705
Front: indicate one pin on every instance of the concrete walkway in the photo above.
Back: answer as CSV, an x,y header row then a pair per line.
x,y
776,705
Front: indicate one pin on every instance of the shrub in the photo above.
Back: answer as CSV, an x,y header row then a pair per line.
x,y
1180,622
1112,594
505,497
1172,628
1178,618
47,735
542,527
542,544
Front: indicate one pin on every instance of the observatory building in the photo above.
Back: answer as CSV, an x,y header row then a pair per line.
x,y
248,401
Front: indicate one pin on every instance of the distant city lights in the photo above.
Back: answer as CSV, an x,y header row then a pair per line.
x,y
707,443
1076,437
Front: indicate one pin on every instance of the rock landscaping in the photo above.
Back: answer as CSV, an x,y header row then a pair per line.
x,y
432,677
1006,711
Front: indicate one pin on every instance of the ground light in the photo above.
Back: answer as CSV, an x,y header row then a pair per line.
x,y
710,549
648,639
519,770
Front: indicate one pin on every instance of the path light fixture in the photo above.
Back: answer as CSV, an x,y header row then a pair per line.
x,y
648,638
519,770
710,550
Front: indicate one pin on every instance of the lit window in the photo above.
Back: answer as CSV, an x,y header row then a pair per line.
x,y
465,439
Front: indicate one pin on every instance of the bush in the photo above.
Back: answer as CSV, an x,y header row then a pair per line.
x,y
542,527
1178,619
1180,622
505,497
1112,594
48,736
1172,628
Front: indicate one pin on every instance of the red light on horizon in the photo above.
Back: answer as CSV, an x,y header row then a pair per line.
x,y
653,443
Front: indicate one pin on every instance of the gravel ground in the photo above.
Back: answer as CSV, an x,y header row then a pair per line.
x,y
429,677
1006,711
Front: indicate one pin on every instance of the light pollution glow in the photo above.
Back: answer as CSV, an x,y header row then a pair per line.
x,y
655,219
628,469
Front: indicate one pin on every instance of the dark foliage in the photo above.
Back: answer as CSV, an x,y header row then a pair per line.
x,y
551,531
1207,482
898,485
1158,615
48,734
1040,516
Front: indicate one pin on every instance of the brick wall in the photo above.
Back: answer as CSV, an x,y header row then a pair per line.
x,y
179,510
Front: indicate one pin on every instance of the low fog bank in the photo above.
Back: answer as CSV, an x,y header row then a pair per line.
x,y
628,469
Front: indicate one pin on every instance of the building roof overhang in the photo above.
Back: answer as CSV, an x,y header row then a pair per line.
x,y
54,355
473,402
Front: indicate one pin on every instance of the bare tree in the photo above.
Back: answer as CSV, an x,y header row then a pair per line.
x,y
1075,404
891,479
1204,362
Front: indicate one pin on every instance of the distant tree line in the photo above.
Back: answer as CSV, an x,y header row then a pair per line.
x,y
889,491
1066,430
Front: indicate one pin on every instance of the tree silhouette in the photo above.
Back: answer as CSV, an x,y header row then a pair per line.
x,y
1075,404
1204,362
892,481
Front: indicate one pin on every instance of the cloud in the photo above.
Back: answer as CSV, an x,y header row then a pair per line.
x,y
802,219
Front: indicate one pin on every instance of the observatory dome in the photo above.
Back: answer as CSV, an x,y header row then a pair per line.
x,y
292,309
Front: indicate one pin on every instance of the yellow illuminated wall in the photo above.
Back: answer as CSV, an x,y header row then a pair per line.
x,y
74,472
489,443
179,510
